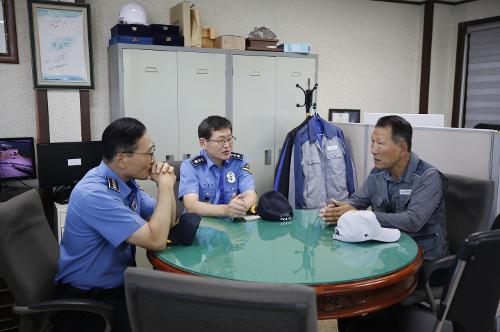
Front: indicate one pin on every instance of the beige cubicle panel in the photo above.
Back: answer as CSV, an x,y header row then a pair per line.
x,y
467,152
354,134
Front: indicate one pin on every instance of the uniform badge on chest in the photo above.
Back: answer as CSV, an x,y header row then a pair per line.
x,y
133,204
231,178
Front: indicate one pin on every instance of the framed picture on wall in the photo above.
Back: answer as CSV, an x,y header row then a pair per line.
x,y
344,115
61,45
8,35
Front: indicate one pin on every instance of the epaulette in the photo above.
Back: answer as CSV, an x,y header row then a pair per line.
x,y
236,155
112,184
198,160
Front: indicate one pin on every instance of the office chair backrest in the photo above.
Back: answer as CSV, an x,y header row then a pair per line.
x,y
28,249
496,223
468,203
177,170
162,301
474,304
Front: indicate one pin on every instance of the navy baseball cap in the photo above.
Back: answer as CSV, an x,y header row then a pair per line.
x,y
274,206
185,229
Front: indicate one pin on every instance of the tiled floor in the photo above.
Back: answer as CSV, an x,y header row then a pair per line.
x,y
323,325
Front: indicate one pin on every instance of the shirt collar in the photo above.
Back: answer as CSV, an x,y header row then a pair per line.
x,y
410,170
328,130
209,160
125,190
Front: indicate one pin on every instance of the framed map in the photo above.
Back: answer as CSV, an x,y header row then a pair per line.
x,y
61,45
8,36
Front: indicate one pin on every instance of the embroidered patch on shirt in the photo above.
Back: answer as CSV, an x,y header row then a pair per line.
x,y
405,192
231,178
198,160
235,155
247,168
112,184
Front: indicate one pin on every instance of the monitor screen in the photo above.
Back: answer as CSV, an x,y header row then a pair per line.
x,y
17,158
64,164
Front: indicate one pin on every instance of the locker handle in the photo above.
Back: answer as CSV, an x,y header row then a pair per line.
x,y
169,157
255,73
151,69
186,156
296,74
202,71
267,157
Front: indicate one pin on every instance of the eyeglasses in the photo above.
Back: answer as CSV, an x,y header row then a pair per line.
x,y
230,140
150,154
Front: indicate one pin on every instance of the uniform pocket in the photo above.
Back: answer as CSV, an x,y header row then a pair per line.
x,y
402,202
207,194
312,168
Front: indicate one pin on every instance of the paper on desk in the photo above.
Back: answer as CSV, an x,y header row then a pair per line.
x,y
250,218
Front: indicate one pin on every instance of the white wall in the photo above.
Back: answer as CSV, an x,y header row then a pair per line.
x,y
369,54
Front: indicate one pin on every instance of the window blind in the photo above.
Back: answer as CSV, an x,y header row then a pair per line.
x,y
482,103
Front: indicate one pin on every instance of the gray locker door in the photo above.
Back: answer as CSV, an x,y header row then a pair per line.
x,y
254,100
150,95
202,92
289,72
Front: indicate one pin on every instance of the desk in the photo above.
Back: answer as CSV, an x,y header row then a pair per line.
x,y
350,278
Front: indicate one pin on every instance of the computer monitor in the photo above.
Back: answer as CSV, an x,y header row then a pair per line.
x,y
64,164
17,158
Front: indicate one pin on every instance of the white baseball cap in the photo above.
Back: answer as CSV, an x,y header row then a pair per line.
x,y
360,226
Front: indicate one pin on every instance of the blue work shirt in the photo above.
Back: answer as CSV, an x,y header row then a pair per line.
x,y
414,203
103,212
212,183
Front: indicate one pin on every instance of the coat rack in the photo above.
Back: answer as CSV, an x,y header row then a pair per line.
x,y
308,97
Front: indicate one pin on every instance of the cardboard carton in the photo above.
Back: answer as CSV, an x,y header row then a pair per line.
x,y
180,15
230,42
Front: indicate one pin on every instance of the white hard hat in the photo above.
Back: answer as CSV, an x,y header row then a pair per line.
x,y
132,13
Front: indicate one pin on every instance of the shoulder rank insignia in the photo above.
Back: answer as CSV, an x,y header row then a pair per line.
x,y
112,184
247,168
198,160
236,155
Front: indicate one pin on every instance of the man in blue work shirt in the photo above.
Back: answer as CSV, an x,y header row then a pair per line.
x,y
108,214
404,191
218,182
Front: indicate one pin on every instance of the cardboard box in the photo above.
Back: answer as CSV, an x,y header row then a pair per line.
x,y
259,44
180,15
230,42
208,32
207,42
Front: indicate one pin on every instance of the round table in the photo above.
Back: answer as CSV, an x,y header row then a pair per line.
x,y
350,278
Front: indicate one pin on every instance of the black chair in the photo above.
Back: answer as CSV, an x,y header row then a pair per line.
x,y
177,170
163,301
468,203
28,262
469,301
492,126
496,223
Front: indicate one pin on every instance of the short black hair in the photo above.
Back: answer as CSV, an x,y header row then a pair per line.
x,y
121,135
401,129
211,124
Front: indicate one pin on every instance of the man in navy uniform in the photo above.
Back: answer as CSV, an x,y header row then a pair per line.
x,y
108,214
218,182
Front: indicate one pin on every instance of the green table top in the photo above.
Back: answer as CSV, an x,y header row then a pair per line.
x,y
299,251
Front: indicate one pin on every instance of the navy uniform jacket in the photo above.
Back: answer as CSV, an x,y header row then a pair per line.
x,y
214,184
103,212
413,204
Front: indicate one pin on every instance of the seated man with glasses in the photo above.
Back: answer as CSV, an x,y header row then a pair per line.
x,y
108,215
218,182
